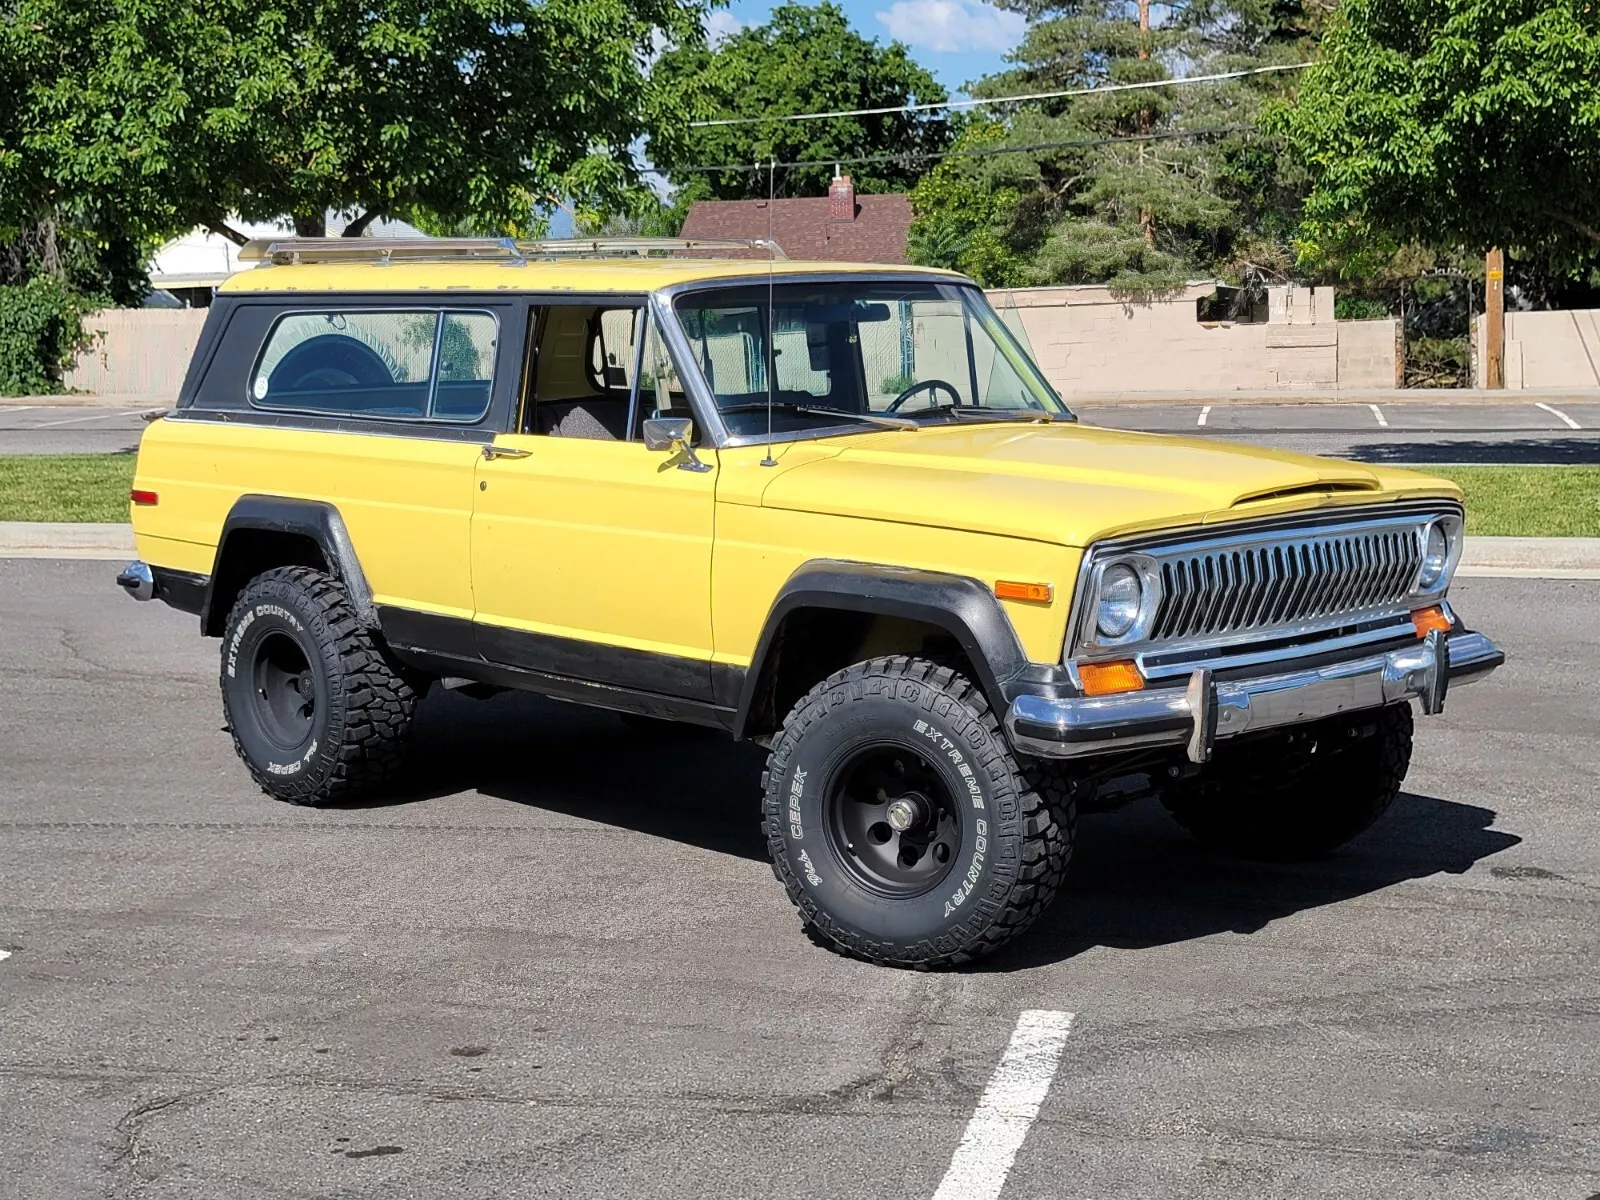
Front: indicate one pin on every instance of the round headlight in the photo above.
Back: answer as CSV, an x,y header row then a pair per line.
x,y
1434,557
1121,595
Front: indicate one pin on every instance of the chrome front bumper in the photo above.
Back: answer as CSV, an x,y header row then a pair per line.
x,y
1207,709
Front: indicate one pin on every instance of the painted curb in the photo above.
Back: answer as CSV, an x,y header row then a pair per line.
x,y
1534,558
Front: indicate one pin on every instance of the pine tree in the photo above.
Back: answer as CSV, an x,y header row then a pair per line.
x,y
1143,189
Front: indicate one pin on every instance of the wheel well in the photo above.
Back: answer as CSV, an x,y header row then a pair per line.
x,y
812,643
246,554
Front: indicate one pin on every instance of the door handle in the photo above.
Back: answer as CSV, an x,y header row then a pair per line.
x,y
490,453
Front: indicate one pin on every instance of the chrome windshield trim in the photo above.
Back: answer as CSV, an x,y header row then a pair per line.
x,y
708,415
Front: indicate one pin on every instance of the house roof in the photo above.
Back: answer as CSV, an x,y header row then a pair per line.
x,y
802,226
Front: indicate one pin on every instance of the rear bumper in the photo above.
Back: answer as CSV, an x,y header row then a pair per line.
x,y
1207,709
181,589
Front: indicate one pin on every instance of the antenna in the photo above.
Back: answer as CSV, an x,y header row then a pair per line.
x,y
772,321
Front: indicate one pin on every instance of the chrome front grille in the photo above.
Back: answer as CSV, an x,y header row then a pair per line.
x,y
1285,581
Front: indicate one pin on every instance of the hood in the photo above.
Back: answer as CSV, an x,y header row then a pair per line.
x,y
1074,484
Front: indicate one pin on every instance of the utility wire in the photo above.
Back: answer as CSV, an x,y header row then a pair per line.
x,y
1088,91
977,152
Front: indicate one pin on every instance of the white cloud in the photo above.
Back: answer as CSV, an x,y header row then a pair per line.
x,y
721,24
952,26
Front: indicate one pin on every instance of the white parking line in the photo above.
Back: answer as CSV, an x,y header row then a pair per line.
x,y
1556,412
80,420
1204,413
1378,412
4,954
979,1167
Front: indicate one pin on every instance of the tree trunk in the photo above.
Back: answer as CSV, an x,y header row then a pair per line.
x,y
1147,121
311,225
224,230
359,226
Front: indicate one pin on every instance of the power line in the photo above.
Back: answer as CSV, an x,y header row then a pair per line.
x,y
977,152
1088,91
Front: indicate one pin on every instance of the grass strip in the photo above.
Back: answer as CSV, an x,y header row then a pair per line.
x,y
1501,501
65,487
1528,501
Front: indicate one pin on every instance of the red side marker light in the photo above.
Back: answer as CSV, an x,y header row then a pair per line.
x,y
140,496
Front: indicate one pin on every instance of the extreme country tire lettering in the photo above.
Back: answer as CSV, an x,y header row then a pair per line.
x,y
1301,793
318,711
902,755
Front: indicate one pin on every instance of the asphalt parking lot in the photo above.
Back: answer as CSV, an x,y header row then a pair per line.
x,y
1563,430
557,964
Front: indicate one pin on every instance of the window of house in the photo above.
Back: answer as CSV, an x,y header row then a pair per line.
x,y
427,365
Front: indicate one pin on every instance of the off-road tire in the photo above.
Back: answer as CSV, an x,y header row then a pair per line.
x,y
363,700
1300,793
998,880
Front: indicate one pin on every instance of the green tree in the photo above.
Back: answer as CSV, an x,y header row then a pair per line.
x,y
1453,123
805,59
1132,188
154,115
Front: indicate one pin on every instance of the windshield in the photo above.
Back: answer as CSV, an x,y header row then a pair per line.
x,y
912,348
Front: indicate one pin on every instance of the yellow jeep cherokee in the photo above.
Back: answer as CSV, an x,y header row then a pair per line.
x,y
834,509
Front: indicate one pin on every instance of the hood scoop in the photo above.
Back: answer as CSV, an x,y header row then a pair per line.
x,y
1320,488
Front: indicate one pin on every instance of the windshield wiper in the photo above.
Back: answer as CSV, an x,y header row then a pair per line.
x,y
979,412
870,418
816,410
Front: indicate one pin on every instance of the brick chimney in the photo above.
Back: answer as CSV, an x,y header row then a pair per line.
x,y
841,198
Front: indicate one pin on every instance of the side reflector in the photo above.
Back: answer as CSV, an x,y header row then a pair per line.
x,y
139,496
1428,619
1102,679
1037,593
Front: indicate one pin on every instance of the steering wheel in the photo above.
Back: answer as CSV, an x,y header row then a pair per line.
x,y
927,385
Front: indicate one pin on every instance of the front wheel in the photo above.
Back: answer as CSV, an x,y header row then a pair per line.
x,y
899,823
1298,793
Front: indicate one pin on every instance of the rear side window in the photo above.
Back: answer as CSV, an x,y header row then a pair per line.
x,y
413,365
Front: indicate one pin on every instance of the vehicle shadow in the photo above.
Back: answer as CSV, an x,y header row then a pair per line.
x,y
678,782
1137,881
1511,452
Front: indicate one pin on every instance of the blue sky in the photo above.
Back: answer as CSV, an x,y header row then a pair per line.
x,y
959,41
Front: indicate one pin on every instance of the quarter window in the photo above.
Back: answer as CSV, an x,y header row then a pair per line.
x,y
395,365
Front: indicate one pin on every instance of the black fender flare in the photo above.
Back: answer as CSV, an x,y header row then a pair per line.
x,y
313,519
962,606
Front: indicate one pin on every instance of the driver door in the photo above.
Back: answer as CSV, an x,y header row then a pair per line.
x,y
591,555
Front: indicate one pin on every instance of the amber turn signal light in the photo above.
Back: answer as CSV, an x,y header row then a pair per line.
x,y
139,496
1037,593
1427,620
1102,679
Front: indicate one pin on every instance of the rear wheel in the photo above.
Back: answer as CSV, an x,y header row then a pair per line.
x,y
899,823
318,711
1299,793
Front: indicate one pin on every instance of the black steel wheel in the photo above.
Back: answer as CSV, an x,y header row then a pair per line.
x,y
1300,792
893,822
899,823
283,690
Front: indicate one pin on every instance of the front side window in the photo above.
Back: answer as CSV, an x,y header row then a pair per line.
x,y
395,365
918,349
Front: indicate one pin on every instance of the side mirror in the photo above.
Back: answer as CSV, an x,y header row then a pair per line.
x,y
674,435
668,433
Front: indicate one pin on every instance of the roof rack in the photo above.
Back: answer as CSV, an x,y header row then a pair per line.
x,y
511,251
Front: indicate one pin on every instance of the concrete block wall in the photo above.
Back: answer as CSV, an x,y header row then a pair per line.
x,y
1546,349
137,351
1088,341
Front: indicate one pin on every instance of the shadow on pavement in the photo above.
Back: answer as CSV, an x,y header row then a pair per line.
x,y
1137,881
1510,452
